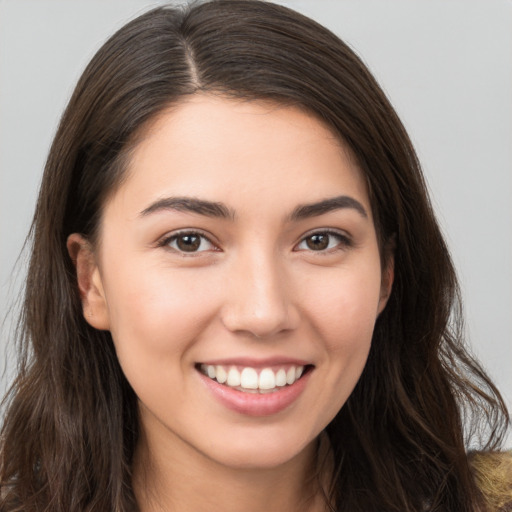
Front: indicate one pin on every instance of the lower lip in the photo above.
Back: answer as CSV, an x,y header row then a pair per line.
x,y
256,404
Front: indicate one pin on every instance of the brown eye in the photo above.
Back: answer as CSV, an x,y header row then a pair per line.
x,y
323,241
318,242
189,242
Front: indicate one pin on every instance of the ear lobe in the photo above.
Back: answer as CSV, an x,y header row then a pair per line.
x,y
90,286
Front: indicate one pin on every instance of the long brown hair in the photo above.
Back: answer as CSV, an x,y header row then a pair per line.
x,y
399,443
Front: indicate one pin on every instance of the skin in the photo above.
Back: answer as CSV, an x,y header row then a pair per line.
x,y
255,290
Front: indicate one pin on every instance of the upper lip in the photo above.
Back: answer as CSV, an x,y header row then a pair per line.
x,y
256,362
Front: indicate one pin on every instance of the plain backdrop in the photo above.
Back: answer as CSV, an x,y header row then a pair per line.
x,y
446,65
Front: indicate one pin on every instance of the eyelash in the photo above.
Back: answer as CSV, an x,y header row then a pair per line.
x,y
343,242
168,241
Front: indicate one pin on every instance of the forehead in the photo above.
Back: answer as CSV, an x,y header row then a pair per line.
x,y
232,150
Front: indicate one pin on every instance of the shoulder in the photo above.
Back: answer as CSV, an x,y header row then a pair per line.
x,y
493,474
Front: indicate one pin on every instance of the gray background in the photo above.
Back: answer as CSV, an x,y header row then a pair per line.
x,y
445,64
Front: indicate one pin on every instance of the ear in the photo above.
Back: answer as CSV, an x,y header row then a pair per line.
x,y
388,275
94,304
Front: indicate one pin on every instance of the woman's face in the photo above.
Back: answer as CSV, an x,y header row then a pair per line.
x,y
239,274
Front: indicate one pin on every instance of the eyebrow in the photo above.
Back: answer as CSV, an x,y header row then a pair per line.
x,y
220,210
192,205
327,205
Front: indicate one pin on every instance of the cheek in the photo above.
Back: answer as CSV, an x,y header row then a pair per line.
x,y
156,316
343,316
156,319
344,307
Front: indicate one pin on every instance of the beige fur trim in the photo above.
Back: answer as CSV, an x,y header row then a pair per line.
x,y
493,474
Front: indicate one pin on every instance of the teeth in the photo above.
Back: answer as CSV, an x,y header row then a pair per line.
x,y
267,379
233,378
220,374
249,379
281,378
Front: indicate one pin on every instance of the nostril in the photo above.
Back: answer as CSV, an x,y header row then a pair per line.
x,y
260,323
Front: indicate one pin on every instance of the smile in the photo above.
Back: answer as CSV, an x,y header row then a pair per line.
x,y
253,380
255,389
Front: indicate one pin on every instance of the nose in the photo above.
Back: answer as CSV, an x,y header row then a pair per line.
x,y
259,298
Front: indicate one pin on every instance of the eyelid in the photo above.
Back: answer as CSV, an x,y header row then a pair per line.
x,y
345,240
173,235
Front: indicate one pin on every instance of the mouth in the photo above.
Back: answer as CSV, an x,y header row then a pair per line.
x,y
248,379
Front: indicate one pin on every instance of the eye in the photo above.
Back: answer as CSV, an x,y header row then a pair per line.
x,y
323,241
188,242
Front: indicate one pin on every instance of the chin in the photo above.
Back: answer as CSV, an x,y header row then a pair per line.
x,y
261,449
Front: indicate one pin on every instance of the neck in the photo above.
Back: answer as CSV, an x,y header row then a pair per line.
x,y
185,480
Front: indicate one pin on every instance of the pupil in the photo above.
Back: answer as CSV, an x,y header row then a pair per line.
x,y
189,243
318,242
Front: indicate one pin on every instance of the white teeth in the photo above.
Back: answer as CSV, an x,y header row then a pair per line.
x,y
267,379
249,380
281,378
211,371
221,374
233,378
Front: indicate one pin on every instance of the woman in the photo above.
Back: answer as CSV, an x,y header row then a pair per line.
x,y
238,296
